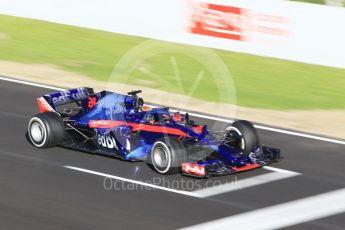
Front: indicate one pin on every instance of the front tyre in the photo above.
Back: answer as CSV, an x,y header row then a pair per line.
x,y
167,155
46,130
243,136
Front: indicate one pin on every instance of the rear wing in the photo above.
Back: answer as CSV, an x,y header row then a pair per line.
x,y
49,102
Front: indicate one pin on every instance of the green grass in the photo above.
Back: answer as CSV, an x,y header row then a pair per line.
x,y
322,2
260,82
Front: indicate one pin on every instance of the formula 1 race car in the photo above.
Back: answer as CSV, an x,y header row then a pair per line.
x,y
122,126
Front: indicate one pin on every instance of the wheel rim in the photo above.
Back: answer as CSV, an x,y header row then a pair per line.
x,y
241,143
161,157
37,132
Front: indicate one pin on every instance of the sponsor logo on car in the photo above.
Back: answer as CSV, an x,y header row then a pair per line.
x,y
107,141
98,123
75,94
193,169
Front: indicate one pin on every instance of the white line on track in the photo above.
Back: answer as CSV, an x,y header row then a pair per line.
x,y
206,192
134,181
31,83
293,133
245,183
282,215
280,170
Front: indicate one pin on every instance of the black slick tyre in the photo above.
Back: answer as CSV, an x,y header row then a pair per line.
x,y
248,138
46,130
167,155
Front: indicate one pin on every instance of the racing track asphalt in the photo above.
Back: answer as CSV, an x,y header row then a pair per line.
x,y
38,192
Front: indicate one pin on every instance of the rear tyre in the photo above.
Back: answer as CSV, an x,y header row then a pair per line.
x,y
245,136
167,155
46,130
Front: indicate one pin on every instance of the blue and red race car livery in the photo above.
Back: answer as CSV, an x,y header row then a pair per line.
x,y
122,126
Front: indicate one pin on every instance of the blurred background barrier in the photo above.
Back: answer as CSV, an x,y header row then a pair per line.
x,y
289,30
269,47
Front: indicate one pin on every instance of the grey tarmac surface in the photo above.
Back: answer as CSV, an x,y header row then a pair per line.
x,y
38,192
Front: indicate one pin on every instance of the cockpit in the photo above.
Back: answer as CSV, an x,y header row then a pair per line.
x,y
155,117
